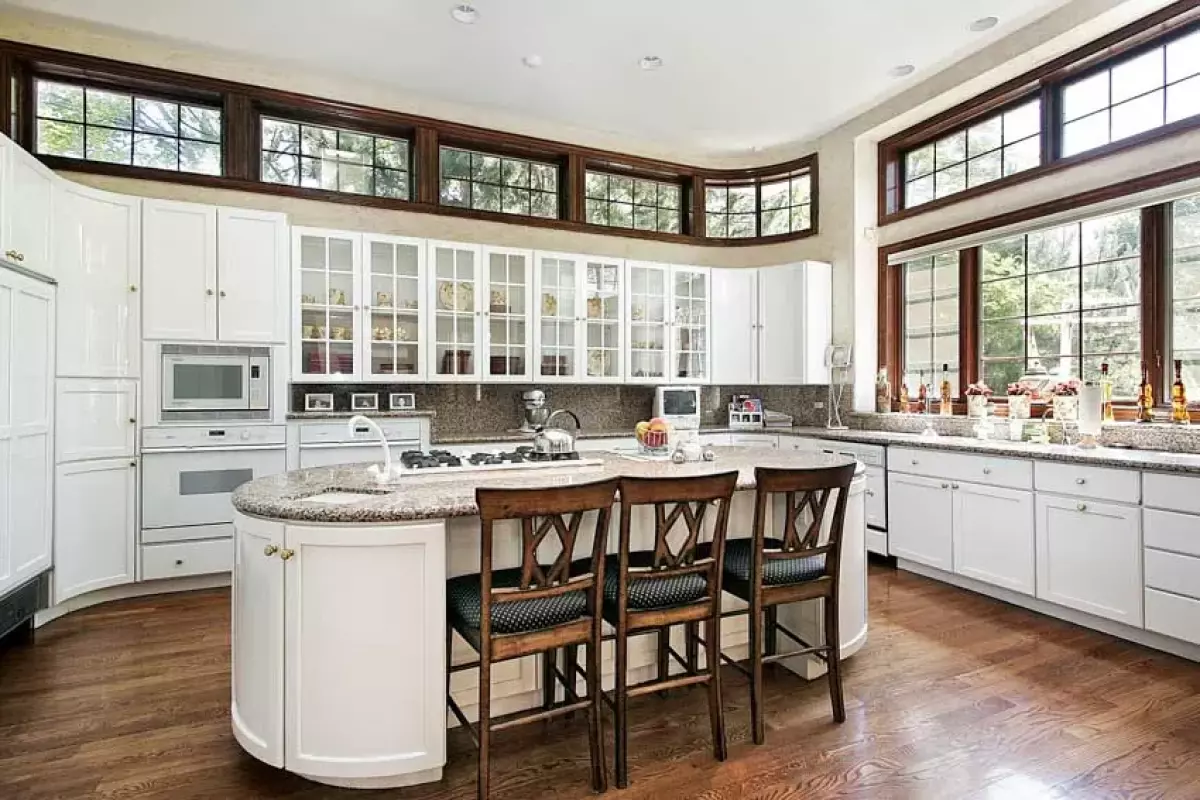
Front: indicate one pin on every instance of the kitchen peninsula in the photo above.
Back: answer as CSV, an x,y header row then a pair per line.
x,y
339,630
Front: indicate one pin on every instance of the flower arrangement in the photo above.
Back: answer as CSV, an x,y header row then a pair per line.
x,y
1020,401
1066,389
979,389
1019,390
977,399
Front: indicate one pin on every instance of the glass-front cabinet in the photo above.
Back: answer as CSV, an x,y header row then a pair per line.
x,y
394,302
579,315
689,325
558,317
455,304
668,313
326,291
506,314
602,335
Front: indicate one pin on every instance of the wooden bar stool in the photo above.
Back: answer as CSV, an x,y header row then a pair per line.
x,y
535,608
649,591
768,572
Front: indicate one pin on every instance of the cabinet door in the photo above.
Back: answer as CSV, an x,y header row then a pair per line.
x,y
647,300
252,276
395,301
557,299
455,303
784,300
96,419
26,212
179,271
325,291
735,345
690,348
877,498
95,532
391,625
921,520
603,359
506,314
993,536
256,638
97,264
1089,557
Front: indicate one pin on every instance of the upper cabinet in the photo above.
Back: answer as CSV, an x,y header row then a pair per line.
x,y
325,288
455,302
97,262
26,209
667,324
214,273
506,314
395,297
579,312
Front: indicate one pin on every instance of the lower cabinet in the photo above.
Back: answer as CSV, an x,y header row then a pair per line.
x,y
1089,557
95,531
994,536
921,520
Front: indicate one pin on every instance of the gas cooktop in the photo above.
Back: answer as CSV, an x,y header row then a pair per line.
x,y
414,462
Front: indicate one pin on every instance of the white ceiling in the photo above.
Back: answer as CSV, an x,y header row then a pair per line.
x,y
738,74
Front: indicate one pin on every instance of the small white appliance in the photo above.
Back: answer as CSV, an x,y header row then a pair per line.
x,y
214,382
678,406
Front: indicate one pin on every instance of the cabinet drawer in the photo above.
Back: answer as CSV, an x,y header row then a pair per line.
x,y
1011,473
335,432
877,542
187,533
1172,492
1100,483
186,558
1173,615
1173,573
1177,532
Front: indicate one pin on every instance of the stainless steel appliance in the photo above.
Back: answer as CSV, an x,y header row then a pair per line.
x,y
536,411
214,382
556,441
678,405
420,462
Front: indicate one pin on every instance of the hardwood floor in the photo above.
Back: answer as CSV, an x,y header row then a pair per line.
x,y
954,696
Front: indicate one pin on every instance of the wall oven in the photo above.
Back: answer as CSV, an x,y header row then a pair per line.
x,y
214,382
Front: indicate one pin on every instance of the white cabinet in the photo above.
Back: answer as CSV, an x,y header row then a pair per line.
x,y
578,308
921,520
1089,557
507,289
257,638
95,526
394,303
179,256
97,262
325,291
735,327
96,419
27,211
26,427
252,276
455,303
877,498
667,325
994,536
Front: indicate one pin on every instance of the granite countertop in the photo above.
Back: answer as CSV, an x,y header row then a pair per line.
x,y
321,415
452,494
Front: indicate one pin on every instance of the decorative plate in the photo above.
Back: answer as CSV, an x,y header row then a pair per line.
x,y
446,295
549,305
466,297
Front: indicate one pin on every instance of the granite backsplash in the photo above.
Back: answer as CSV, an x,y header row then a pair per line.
x,y
483,409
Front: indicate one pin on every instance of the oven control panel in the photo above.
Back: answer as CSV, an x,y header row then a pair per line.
x,y
217,435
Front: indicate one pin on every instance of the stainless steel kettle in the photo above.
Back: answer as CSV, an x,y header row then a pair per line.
x,y
556,441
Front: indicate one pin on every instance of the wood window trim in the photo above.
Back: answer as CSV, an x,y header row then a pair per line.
x,y
243,106
1047,81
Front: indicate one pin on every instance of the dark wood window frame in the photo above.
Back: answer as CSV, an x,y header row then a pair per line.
x,y
244,105
1047,82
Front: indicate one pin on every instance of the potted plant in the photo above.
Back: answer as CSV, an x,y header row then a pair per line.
x,y
1020,400
1066,401
977,399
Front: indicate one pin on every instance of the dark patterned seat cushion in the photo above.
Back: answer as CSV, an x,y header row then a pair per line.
x,y
650,593
777,572
465,606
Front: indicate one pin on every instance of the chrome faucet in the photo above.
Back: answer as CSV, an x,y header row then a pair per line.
x,y
359,424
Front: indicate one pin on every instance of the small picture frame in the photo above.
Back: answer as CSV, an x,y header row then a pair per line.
x,y
364,401
318,402
402,401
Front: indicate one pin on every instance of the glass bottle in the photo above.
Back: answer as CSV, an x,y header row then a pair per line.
x,y
947,408
1106,392
1179,409
904,399
1145,397
922,395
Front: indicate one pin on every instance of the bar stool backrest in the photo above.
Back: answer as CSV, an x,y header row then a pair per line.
x,y
803,490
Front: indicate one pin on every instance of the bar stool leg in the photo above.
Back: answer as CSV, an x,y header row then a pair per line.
x,y
664,659
716,713
692,644
570,664
772,631
620,720
485,722
548,689
757,726
833,641
595,728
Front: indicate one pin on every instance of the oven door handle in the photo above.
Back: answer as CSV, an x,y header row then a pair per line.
x,y
335,445
220,448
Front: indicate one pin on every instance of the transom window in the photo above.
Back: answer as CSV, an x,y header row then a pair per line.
x,y
786,205
471,179
1142,93
987,151
1062,301
334,159
730,212
931,293
93,124
623,202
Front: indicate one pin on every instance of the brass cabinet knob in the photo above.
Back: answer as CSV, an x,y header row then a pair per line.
x,y
1081,507
133,420
132,288
133,463
208,292
222,293
945,486
270,550
13,255
287,554
179,562
954,486
1080,481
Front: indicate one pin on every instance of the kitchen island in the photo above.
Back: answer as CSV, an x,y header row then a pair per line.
x,y
339,622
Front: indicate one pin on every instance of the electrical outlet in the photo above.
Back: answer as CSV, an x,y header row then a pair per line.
x,y
819,405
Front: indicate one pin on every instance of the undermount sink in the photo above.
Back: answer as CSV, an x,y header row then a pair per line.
x,y
337,498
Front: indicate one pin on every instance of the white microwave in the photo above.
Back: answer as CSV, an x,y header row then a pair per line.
x,y
215,382
678,405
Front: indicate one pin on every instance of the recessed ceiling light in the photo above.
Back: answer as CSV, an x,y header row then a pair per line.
x,y
533,61
901,70
464,13
983,24
650,62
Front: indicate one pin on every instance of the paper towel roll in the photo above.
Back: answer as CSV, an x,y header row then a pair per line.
x,y
1091,401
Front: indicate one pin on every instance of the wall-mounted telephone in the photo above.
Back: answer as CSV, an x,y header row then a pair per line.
x,y
839,356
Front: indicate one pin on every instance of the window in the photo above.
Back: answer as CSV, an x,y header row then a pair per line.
x,y
1185,288
931,320
786,205
498,183
622,202
987,151
337,160
1136,95
1061,302
730,212
94,124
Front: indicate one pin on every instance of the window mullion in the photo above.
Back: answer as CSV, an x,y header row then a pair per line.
x,y
1155,235
969,289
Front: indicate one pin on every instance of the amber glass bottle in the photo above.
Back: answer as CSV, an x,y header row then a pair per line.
x,y
1106,392
1179,409
1145,397
947,407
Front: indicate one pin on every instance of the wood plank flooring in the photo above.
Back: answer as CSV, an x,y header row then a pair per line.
x,y
955,696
